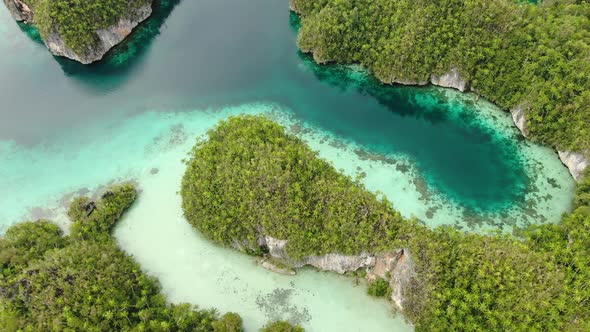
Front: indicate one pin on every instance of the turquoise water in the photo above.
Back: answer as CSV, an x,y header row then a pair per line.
x,y
438,155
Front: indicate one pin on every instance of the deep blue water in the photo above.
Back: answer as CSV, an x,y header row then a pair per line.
x,y
211,53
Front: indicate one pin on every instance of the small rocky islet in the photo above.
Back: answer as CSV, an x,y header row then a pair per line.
x,y
85,34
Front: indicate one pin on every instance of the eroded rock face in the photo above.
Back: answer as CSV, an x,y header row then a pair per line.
x,y
19,10
397,267
107,38
276,269
338,263
451,79
276,247
577,163
519,119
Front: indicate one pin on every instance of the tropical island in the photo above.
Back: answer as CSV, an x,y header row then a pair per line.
x,y
83,281
254,187
83,31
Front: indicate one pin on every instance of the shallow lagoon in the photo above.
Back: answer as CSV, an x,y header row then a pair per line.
x,y
439,156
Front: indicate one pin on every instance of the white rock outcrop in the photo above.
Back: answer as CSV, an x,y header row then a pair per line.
x,y
397,267
338,263
577,163
451,79
19,10
276,247
330,262
519,119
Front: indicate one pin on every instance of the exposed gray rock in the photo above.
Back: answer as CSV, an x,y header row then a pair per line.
x,y
338,263
19,10
292,6
280,270
107,38
451,79
398,268
329,262
519,119
276,247
402,273
577,163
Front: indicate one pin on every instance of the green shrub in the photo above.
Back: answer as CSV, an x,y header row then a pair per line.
x,y
26,242
230,322
281,326
95,219
379,288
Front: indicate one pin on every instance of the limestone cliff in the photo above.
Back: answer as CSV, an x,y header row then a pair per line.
x,y
451,79
577,163
397,267
105,38
19,10
519,119
338,263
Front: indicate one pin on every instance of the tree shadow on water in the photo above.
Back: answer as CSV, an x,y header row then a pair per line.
x,y
408,101
402,100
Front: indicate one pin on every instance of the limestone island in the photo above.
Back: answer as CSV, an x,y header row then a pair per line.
x,y
260,190
84,31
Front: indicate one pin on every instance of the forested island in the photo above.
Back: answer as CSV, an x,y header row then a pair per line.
x,y
530,58
256,188
84,282
81,30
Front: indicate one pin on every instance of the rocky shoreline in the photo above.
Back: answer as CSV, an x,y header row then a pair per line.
x,y
106,38
396,267
576,162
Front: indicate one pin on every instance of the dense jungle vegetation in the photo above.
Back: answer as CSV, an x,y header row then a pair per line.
x,y
281,326
77,21
84,282
251,178
514,53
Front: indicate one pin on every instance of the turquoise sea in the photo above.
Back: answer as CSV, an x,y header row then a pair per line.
x,y
438,155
